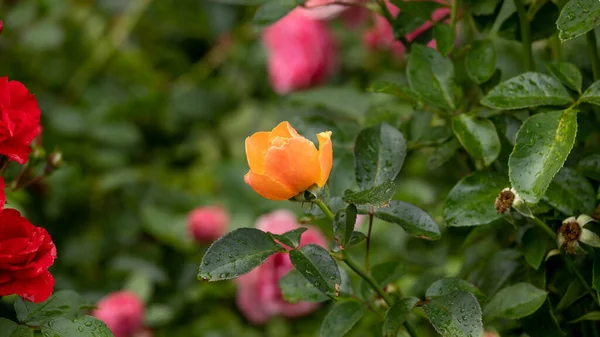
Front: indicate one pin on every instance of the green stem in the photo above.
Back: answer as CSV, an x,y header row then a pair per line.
x,y
544,227
453,15
373,283
525,34
368,250
324,208
590,38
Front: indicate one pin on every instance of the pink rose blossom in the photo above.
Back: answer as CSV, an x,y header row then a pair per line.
x,y
381,35
207,224
326,9
301,52
259,297
122,312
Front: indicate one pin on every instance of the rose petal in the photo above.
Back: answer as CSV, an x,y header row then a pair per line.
x,y
267,187
325,157
256,150
295,164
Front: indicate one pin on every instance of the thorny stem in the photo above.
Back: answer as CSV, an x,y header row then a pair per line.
x,y
525,34
590,38
368,250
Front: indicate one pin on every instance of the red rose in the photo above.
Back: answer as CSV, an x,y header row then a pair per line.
x,y
26,252
19,120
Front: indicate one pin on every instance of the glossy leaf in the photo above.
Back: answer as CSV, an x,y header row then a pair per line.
x,y
412,219
456,314
397,315
591,94
431,76
590,166
7,327
272,11
295,288
516,301
577,18
379,153
480,61
376,196
534,245
318,267
590,316
543,143
444,37
571,193
341,318
61,303
448,285
471,201
291,238
478,136
343,225
443,154
527,90
356,238
237,253
402,91
567,73
574,292
86,326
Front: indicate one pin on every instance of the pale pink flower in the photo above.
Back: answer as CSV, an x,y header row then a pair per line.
x,y
258,296
206,224
301,52
122,312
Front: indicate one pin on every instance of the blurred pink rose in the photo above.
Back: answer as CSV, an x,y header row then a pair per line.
x,y
301,52
381,35
354,17
258,296
326,9
360,220
122,311
490,334
206,224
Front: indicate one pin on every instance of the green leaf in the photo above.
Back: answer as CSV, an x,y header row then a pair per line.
x,y
379,153
480,61
61,303
7,327
471,201
448,285
412,219
456,314
574,292
341,318
397,315
291,238
567,73
343,225
596,273
295,288
87,326
376,196
272,11
571,193
237,253
527,90
590,166
478,136
356,238
444,37
481,7
549,327
591,94
533,245
516,301
21,331
543,143
431,76
315,263
402,91
443,154
412,16
590,316
577,18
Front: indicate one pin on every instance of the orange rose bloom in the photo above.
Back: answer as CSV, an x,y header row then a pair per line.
x,y
284,164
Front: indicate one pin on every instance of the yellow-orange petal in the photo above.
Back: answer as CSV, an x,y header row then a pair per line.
x,y
256,150
283,130
325,157
295,164
267,187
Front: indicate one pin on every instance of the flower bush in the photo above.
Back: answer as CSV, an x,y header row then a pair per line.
x,y
299,168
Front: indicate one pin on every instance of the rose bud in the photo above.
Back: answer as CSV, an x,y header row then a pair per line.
x,y
301,52
122,312
258,295
26,253
20,122
284,164
206,224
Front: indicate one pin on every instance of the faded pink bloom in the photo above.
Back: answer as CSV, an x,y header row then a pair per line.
x,y
326,9
206,224
259,297
301,52
381,36
122,311
354,17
